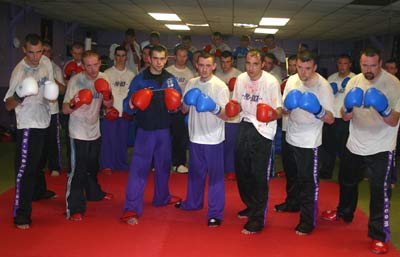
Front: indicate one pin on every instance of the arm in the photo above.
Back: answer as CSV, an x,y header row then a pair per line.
x,y
328,117
392,119
11,103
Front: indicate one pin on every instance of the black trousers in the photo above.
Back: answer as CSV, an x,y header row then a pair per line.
x,y
30,180
334,139
64,120
302,183
284,152
253,167
52,148
378,169
179,140
82,181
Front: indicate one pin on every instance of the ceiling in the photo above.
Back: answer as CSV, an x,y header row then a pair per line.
x,y
309,19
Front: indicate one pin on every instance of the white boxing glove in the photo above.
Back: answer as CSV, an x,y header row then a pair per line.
x,y
50,90
28,87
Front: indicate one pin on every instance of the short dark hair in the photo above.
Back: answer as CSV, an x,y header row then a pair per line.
x,y
292,57
119,48
146,47
270,36
245,38
155,34
217,34
130,32
271,56
206,55
33,39
158,48
180,48
187,37
306,56
226,54
77,45
370,51
344,56
391,60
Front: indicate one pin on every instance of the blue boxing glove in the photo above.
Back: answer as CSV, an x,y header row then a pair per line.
x,y
206,104
292,100
354,98
309,102
344,83
191,96
334,87
375,98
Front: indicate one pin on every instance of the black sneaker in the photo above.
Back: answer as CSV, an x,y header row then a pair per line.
x,y
304,228
243,214
48,194
253,226
284,207
214,222
178,205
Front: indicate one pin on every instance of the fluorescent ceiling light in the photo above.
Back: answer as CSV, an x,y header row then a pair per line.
x,y
165,16
245,25
265,31
177,27
273,21
197,25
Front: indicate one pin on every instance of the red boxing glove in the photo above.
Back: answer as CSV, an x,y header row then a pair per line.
x,y
207,49
172,99
103,88
231,84
84,96
265,49
112,113
232,108
142,98
218,53
79,69
266,113
283,85
70,69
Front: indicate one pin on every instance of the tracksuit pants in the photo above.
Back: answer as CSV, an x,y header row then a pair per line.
x,y
231,130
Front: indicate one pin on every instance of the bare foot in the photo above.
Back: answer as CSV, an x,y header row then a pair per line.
x,y
23,226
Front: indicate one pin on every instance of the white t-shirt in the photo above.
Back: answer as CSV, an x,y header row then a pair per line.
x,y
119,82
250,93
205,127
339,97
279,53
34,111
369,134
130,63
59,76
182,75
84,122
304,129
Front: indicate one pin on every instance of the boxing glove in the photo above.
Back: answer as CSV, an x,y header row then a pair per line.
x,y
84,96
218,53
51,90
354,98
172,99
142,98
70,69
376,99
204,103
207,48
231,84
309,102
232,108
264,49
103,87
191,96
292,100
112,113
28,87
334,87
344,82
266,113
79,69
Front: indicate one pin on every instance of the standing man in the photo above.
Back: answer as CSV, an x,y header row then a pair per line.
x,y
239,54
179,131
205,98
187,43
273,48
391,67
133,51
114,138
86,92
308,99
334,137
228,74
372,104
153,94
257,93
216,47
52,150
31,87
271,67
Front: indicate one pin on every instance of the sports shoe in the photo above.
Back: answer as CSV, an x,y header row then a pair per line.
x,y
182,169
329,215
108,196
54,173
48,194
285,207
130,217
178,205
174,199
303,229
379,247
244,214
106,171
231,176
76,217
214,222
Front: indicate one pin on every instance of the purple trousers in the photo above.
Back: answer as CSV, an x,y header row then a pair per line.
x,y
154,145
231,130
114,144
205,159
